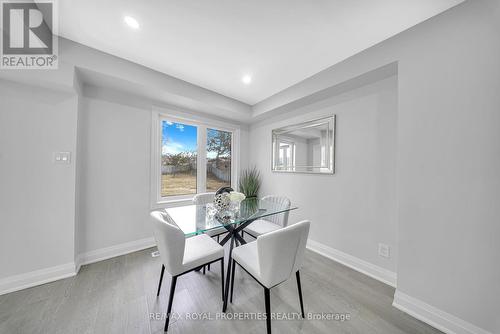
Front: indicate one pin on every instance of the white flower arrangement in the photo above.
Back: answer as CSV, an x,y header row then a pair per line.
x,y
237,197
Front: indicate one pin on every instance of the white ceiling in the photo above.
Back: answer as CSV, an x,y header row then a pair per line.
x,y
214,43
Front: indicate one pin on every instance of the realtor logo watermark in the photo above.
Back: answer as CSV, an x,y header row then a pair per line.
x,y
208,316
29,34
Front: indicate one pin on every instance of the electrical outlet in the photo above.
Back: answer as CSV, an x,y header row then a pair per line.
x,y
384,250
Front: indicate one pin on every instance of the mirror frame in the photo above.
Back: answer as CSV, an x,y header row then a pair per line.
x,y
275,133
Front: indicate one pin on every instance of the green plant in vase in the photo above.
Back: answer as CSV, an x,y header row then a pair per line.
x,y
249,185
250,182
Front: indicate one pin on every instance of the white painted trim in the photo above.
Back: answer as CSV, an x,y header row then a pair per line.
x,y
418,309
36,277
433,316
114,251
202,124
46,275
364,267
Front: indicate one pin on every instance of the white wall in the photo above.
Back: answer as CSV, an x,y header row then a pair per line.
x,y
105,69
79,228
355,209
114,165
114,142
448,161
448,184
37,196
100,201
447,167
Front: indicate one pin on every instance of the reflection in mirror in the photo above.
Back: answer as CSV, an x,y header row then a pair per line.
x,y
307,147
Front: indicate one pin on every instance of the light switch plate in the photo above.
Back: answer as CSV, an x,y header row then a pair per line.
x,y
62,157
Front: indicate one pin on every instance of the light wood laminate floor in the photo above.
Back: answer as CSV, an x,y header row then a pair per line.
x,y
119,295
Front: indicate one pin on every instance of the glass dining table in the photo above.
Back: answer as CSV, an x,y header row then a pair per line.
x,y
198,219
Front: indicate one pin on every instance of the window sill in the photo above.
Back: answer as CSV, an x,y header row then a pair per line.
x,y
170,203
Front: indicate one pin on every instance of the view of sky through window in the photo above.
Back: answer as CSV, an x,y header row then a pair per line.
x,y
177,138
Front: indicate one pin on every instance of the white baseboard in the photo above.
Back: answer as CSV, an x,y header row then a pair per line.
x,y
36,277
113,251
433,316
364,267
418,309
46,275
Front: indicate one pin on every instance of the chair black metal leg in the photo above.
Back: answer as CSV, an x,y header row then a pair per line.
x,y
218,238
268,310
299,287
170,300
204,270
208,268
228,273
222,277
232,281
161,278
243,233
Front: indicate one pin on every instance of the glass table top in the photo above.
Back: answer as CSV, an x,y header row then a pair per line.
x,y
196,219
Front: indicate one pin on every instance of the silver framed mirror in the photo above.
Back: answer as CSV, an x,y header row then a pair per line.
x,y
307,147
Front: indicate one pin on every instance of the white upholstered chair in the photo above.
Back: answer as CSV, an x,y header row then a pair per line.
x,y
272,259
202,199
180,255
205,198
271,223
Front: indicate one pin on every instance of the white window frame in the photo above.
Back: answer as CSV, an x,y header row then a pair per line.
x,y
202,124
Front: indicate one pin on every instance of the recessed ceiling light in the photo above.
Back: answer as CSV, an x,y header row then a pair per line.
x,y
131,22
246,79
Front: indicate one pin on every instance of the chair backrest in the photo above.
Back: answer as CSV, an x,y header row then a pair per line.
x,y
203,198
281,218
281,252
170,241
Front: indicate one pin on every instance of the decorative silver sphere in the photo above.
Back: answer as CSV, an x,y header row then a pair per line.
x,y
222,202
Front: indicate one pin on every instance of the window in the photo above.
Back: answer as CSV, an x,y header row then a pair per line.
x,y
192,157
218,159
286,154
179,151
